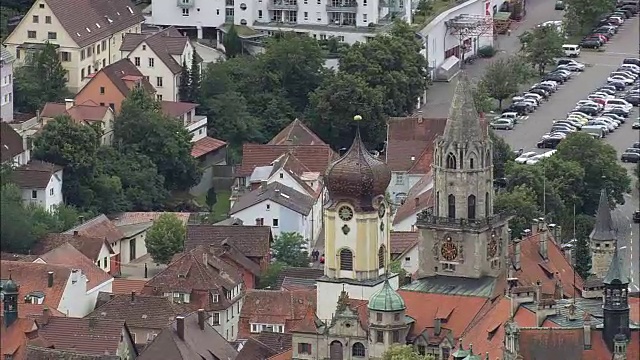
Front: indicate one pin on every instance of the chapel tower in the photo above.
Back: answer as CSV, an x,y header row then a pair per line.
x,y
356,228
602,241
461,235
616,302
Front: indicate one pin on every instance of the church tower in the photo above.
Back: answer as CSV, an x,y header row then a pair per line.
x,y
461,236
356,228
616,301
602,240
10,302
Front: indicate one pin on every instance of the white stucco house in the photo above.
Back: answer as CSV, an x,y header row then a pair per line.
x,y
87,34
159,56
6,85
281,207
40,184
419,198
347,20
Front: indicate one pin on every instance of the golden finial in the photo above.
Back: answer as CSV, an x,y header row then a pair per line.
x,y
357,118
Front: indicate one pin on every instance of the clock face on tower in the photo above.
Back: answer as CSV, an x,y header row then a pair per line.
x,y
492,247
345,213
449,250
381,210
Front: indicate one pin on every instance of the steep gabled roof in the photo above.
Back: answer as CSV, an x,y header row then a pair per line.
x,y
420,197
100,227
40,353
279,194
410,138
68,255
10,142
87,245
315,157
296,133
603,229
206,145
402,241
122,71
33,277
84,335
88,21
165,44
34,175
85,112
140,311
252,241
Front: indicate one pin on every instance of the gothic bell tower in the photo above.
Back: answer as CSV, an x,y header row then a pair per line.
x,y
602,241
461,234
616,301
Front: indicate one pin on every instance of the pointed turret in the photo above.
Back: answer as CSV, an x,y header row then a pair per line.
x,y
616,273
603,230
463,123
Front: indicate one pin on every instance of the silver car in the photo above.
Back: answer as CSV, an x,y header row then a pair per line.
x,y
502,124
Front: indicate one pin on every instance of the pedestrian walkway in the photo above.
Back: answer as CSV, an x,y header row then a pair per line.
x,y
439,94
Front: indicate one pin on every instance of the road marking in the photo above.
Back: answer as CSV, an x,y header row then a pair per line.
x,y
624,247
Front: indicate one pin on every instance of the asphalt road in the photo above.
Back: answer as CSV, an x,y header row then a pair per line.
x,y
529,131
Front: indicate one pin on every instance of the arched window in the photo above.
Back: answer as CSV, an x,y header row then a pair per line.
x,y
487,206
335,350
357,350
471,207
346,260
381,256
451,161
471,164
461,159
451,204
437,207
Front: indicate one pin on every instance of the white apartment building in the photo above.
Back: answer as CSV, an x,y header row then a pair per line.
x,y
6,86
347,20
88,34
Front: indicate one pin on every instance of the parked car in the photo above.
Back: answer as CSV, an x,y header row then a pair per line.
x,y
635,61
539,91
614,116
502,124
636,216
618,111
631,157
554,77
618,85
636,125
549,143
559,5
522,159
590,44
633,99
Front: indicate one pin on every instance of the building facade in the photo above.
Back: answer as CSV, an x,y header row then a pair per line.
x,y
6,85
40,184
85,43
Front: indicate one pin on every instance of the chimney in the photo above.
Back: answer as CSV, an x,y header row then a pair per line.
x,y
81,219
571,312
75,233
522,295
68,103
50,279
437,326
180,327
545,308
534,227
542,246
201,316
420,118
46,315
516,254
586,330
133,296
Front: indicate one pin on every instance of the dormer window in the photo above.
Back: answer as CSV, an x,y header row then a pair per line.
x,y
36,297
180,298
215,298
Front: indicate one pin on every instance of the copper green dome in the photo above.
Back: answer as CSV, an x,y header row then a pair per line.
x,y
10,286
386,299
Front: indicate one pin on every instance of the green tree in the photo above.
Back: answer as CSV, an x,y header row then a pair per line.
x,y
581,15
294,65
16,234
141,127
290,249
41,79
232,43
269,278
184,89
503,77
601,170
195,78
230,120
582,256
502,154
396,268
72,146
404,352
212,198
542,46
165,238
482,99
392,62
520,202
334,104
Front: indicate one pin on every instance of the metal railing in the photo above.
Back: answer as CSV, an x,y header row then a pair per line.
x,y
426,218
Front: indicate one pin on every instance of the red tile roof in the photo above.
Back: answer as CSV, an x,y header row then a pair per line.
x,y
87,111
127,286
89,246
251,241
34,175
32,277
166,44
101,227
130,218
410,137
533,267
140,311
11,143
458,310
401,241
287,355
14,339
67,255
86,335
206,145
274,307
360,307
296,133
121,73
177,108
315,157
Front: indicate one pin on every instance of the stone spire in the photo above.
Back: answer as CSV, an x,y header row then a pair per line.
x,y
463,123
616,273
603,230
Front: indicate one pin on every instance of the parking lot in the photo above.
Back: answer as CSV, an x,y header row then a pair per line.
x,y
530,129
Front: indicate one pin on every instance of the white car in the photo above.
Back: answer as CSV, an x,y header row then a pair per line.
x,y
609,127
620,102
570,67
523,99
633,67
619,78
620,19
614,106
627,74
510,115
604,95
609,118
613,123
536,97
522,159
534,160
551,83
555,135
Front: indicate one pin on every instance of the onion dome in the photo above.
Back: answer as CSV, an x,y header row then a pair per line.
x,y
386,299
357,176
10,286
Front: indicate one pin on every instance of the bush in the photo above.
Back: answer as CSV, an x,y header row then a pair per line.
x,y
486,51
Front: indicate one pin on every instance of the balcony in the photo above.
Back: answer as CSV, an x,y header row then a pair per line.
x,y
342,6
290,5
425,218
186,4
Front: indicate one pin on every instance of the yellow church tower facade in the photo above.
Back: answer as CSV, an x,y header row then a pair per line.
x,y
357,228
